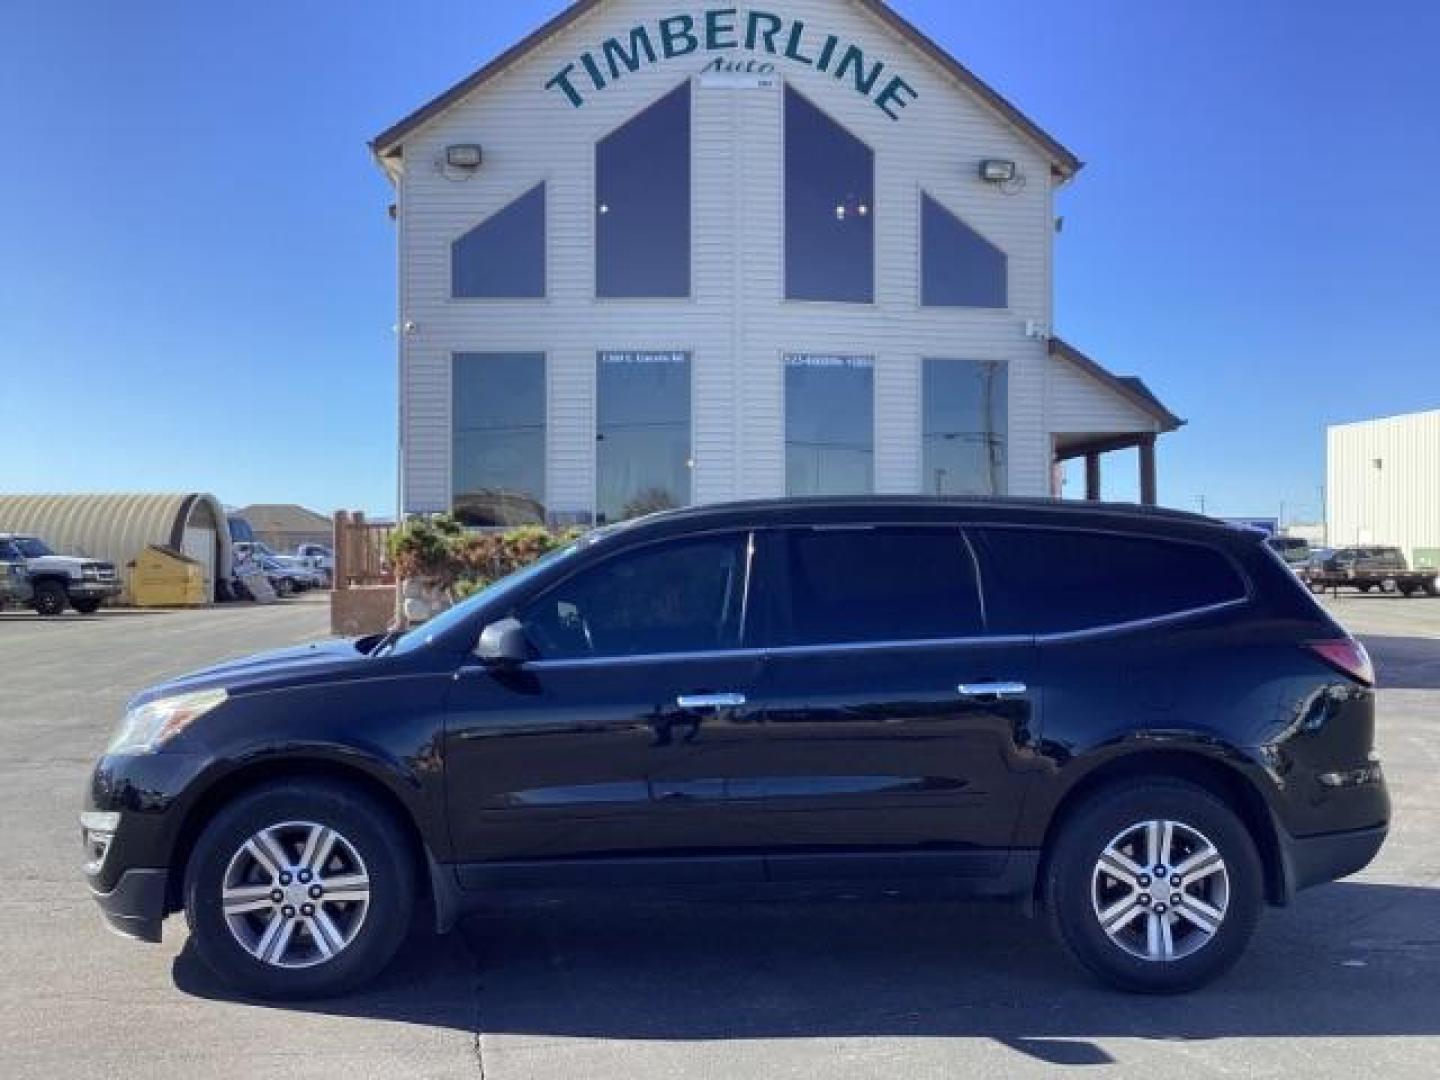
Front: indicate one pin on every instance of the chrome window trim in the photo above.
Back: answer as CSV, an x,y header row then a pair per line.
x,y
997,640
1065,636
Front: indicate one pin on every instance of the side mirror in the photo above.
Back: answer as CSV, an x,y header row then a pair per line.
x,y
503,644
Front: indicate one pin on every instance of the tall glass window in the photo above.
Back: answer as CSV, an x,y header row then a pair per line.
x,y
967,405
829,208
498,439
642,212
961,268
504,256
829,425
643,460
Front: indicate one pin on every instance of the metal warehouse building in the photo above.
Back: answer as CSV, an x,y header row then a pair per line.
x,y
1383,485
117,528
664,253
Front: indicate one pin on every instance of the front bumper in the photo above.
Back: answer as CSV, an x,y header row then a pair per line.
x,y
93,590
135,907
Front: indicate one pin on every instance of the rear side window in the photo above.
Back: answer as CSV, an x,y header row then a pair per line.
x,y
878,585
1049,581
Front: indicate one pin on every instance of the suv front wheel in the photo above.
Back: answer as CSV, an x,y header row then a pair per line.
x,y
299,891
1154,886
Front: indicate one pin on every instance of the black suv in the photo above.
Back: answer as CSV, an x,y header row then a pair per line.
x,y
1148,747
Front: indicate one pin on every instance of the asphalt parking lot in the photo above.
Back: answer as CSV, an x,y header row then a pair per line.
x,y
1345,982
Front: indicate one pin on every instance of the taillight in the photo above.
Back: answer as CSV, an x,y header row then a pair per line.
x,y
1347,656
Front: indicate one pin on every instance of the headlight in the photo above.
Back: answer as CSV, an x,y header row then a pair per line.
x,y
148,727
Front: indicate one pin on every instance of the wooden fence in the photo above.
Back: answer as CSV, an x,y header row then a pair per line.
x,y
361,551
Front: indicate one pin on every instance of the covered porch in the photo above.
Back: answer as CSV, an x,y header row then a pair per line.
x,y
1094,412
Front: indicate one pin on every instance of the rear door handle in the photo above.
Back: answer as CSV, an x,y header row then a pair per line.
x,y
993,689
710,701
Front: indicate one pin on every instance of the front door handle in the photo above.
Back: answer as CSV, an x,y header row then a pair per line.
x,y
993,690
710,701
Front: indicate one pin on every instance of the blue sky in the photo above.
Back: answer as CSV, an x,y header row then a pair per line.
x,y
196,269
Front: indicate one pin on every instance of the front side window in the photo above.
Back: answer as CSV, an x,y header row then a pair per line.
x,y
643,434
966,427
674,597
34,549
504,256
829,425
498,439
829,208
642,212
960,267
1047,581
880,585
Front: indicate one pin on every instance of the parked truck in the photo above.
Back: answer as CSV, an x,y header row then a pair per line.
x,y
62,581
1369,569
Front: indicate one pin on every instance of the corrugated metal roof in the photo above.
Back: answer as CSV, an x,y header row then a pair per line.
x,y
116,527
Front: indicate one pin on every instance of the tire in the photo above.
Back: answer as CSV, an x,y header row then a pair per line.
x,y
284,588
1076,889
1365,588
50,599
361,932
1433,586
86,607
1409,590
1389,586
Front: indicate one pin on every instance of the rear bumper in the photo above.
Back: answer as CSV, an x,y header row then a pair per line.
x,y
1315,860
135,908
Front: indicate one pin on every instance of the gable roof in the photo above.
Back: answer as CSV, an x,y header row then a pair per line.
x,y
1063,162
1129,387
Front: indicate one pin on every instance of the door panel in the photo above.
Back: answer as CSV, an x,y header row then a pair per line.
x,y
877,748
564,760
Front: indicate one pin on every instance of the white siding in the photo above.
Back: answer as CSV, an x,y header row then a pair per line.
x,y
1397,503
737,325
1080,405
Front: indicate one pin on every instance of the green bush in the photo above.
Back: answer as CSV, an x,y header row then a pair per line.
x,y
441,551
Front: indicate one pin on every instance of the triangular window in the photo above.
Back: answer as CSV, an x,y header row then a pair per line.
x,y
503,257
961,268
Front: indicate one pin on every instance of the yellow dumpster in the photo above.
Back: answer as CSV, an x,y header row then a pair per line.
x,y
162,577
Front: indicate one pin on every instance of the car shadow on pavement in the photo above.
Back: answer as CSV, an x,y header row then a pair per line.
x,y
1352,960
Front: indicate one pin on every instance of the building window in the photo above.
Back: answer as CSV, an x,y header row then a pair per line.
x,y
498,439
961,268
967,405
642,212
829,425
829,208
643,462
503,258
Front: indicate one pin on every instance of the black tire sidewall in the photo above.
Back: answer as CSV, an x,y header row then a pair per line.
x,y
1077,849
388,863
50,592
86,607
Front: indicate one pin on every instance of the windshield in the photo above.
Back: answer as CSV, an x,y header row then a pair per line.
x,y
33,549
442,624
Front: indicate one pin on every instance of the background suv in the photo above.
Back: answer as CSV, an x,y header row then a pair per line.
x,y
1147,748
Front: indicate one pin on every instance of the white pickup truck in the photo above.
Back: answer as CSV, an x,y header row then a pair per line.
x,y
61,581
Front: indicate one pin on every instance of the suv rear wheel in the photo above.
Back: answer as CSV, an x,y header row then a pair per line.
x,y
299,891
1154,886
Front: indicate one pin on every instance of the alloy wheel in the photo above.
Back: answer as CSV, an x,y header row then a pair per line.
x,y
1160,890
295,895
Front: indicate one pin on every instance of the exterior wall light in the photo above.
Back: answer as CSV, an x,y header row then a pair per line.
x,y
998,171
464,156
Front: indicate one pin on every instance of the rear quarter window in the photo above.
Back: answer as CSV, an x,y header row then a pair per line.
x,y
1049,581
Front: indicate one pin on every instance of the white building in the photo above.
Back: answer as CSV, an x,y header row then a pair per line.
x,y
662,253
1384,485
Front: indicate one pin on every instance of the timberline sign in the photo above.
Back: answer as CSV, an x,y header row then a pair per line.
x,y
718,30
